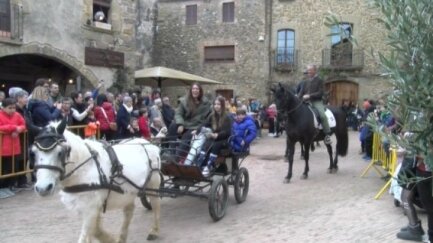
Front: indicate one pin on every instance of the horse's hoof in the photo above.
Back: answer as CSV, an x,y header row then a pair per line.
x,y
330,171
304,177
152,237
334,170
286,180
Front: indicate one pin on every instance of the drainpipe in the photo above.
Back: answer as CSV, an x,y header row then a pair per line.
x,y
268,25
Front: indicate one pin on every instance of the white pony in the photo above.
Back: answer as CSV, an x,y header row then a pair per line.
x,y
91,182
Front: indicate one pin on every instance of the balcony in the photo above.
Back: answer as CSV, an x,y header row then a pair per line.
x,y
285,60
343,59
11,25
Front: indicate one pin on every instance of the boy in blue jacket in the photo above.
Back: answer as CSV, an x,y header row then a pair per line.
x,y
243,130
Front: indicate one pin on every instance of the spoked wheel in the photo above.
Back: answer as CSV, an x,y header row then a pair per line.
x,y
218,199
241,184
145,200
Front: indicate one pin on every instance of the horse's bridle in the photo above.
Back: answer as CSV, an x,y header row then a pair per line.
x,y
57,140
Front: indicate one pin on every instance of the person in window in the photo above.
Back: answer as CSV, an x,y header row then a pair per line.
x,y
191,112
314,93
220,123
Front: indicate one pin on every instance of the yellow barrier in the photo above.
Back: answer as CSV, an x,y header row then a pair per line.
x,y
382,158
24,137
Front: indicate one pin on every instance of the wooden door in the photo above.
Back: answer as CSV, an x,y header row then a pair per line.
x,y
226,93
342,90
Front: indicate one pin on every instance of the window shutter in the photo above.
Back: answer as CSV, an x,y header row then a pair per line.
x,y
229,12
219,53
191,15
104,3
5,16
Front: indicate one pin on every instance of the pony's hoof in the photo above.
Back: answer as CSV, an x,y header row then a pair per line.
x,y
286,180
152,237
304,177
334,170
330,171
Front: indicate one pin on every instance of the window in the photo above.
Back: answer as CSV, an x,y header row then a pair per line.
x,y
341,33
219,53
229,12
101,6
5,18
191,15
341,47
286,47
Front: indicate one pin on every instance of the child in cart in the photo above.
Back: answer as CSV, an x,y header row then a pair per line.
x,y
244,131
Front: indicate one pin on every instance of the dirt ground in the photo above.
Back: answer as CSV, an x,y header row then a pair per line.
x,y
324,208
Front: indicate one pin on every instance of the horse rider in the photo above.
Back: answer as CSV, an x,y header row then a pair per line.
x,y
313,91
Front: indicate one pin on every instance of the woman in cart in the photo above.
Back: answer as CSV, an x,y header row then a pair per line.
x,y
191,113
220,123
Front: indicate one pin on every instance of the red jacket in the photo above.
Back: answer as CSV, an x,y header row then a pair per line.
x,y
143,124
105,121
8,124
272,113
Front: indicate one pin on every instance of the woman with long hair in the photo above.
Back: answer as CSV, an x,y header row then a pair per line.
x,y
220,123
192,111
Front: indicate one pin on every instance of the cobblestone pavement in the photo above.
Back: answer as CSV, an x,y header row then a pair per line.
x,y
324,208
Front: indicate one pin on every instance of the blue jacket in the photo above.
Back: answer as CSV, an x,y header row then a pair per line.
x,y
245,130
123,120
42,113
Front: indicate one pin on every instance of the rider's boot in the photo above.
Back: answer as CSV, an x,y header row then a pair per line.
x,y
412,232
200,158
210,164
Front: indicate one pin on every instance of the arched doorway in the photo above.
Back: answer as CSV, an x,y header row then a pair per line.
x,y
342,90
22,70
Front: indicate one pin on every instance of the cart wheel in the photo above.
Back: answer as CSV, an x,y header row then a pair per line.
x,y
242,183
218,199
145,200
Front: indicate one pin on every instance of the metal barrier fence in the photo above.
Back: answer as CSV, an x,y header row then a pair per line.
x,y
382,158
23,157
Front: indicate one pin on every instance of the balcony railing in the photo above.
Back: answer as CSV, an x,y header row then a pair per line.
x,y
343,59
12,28
286,60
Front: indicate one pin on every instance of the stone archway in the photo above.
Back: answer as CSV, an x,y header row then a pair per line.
x,y
50,52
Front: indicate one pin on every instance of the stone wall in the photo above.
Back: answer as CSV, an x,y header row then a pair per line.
x,y
60,30
307,19
181,46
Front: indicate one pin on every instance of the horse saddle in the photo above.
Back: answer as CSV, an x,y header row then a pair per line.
x,y
318,123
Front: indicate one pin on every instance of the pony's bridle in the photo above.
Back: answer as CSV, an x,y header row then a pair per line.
x,y
56,139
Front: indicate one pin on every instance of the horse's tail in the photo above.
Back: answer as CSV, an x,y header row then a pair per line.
x,y
341,132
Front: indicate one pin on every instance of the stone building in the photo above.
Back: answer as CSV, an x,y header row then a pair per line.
x,y
75,43
252,44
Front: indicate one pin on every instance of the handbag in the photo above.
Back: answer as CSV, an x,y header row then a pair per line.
x,y
113,125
